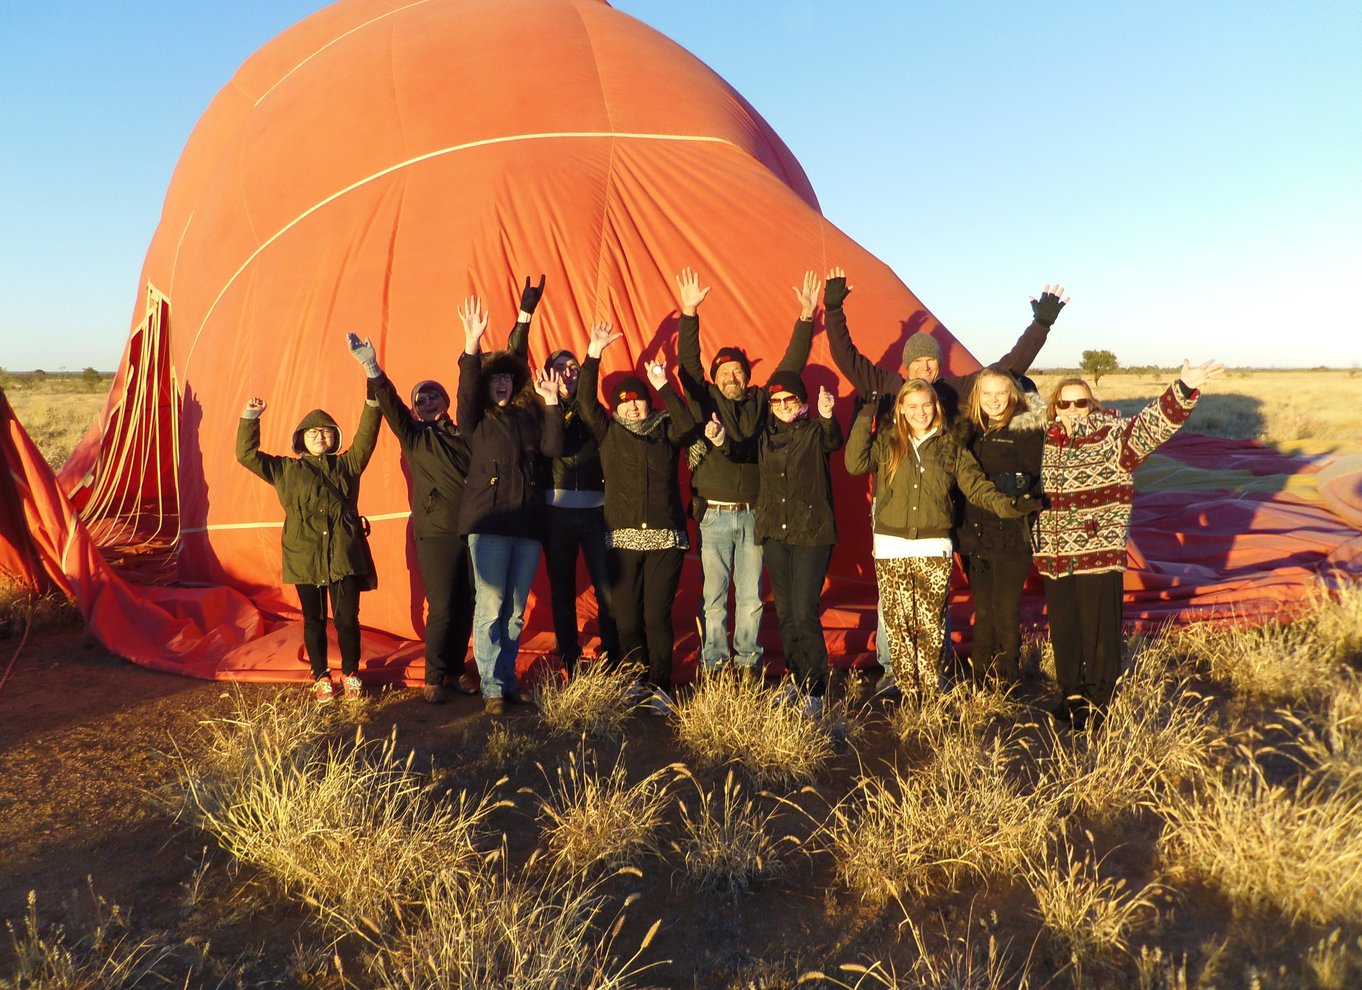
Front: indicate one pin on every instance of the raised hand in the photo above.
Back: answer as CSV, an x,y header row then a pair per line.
x,y
808,295
1196,377
546,384
835,290
474,323
657,372
714,430
826,401
1046,308
363,352
688,286
531,294
254,407
602,336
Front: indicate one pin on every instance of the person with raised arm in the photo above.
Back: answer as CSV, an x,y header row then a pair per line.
x,y
725,490
1086,469
639,447
324,540
509,419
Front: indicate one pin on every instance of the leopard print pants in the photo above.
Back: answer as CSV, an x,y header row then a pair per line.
x,y
913,599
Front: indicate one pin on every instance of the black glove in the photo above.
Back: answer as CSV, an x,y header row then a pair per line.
x,y
1046,308
529,296
835,292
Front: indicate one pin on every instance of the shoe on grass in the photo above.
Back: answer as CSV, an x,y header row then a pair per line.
x,y
786,694
812,707
351,687
495,707
322,690
888,688
466,684
659,703
435,694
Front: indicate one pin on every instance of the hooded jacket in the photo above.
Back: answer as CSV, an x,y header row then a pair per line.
x,y
504,494
322,539
1085,524
1010,458
437,458
915,503
794,504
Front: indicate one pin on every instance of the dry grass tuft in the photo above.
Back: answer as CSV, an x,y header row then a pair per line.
x,y
727,840
1291,849
964,814
595,819
22,608
1158,735
1091,917
351,828
595,702
966,962
507,748
967,710
729,720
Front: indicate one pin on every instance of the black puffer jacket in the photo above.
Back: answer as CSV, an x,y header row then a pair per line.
x,y
795,501
503,495
437,457
642,490
578,468
1010,458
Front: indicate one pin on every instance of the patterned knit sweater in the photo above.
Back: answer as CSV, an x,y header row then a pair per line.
x,y
1088,488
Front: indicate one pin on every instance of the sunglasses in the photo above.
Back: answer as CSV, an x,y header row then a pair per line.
x,y
786,400
428,396
1076,403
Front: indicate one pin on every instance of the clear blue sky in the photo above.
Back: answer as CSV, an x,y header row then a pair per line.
x,y
1192,172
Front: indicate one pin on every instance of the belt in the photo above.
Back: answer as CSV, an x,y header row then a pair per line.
x,y
729,506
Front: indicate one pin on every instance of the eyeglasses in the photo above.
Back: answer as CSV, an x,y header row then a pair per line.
x,y
786,400
318,432
1076,403
430,396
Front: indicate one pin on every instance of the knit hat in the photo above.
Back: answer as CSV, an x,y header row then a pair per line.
x,y
725,354
920,345
628,388
428,385
561,352
787,381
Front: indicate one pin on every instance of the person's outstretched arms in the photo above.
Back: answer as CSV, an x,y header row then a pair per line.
x,y
865,376
689,296
518,342
1158,421
546,384
395,412
1044,312
588,403
356,459
470,397
248,455
801,339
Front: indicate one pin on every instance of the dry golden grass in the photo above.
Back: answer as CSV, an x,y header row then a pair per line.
x,y
730,720
23,609
596,702
592,818
1276,406
972,960
56,414
728,840
967,710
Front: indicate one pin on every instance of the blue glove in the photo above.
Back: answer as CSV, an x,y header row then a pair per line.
x,y
364,353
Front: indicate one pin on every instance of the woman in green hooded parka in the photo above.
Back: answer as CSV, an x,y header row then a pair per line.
x,y
326,553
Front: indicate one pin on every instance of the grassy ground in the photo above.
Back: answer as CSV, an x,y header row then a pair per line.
x,y
56,409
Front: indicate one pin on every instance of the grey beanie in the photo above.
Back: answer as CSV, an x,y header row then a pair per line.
x,y
920,345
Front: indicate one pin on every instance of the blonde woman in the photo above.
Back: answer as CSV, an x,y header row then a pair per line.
x,y
916,463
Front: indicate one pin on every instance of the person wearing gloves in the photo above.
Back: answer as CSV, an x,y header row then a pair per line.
x,y
916,463
1086,468
796,528
922,360
575,515
725,490
507,429
1005,433
639,447
325,544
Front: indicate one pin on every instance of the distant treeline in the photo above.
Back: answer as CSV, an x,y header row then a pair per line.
x,y
85,380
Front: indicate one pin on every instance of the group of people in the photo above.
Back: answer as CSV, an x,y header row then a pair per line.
x,y
536,462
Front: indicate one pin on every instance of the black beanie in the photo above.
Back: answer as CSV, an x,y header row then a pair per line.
x,y
725,354
562,352
787,381
630,387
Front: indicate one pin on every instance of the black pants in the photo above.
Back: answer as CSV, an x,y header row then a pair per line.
x,y
797,574
448,578
1085,630
571,531
995,584
643,589
344,595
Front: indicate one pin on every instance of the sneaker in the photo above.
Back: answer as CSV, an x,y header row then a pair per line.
x,y
351,687
888,688
435,694
786,694
637,691
467,684
812,707
658,703
495,707
322,690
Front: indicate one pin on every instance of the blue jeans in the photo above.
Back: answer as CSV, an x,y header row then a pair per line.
x,y
729,554
503,570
